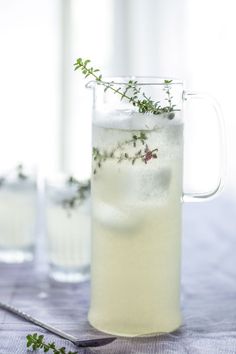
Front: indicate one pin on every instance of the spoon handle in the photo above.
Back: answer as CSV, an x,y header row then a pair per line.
x,y
78,342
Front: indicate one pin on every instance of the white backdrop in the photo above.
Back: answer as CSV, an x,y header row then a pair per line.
x,y
30,80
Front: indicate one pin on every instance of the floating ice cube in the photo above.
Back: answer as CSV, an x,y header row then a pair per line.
x,y
114,119
149,187
155,185
115,219
59,194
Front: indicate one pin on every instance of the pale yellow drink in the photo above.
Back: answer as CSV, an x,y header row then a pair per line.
x,y
137,227
68,231
69,236
18,202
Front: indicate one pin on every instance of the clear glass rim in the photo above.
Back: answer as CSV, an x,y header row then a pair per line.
x,y
141,80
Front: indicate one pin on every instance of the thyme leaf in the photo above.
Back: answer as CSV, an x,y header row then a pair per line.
x,y
81,193
35,341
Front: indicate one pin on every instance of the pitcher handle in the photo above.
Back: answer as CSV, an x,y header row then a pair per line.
x,y
198,197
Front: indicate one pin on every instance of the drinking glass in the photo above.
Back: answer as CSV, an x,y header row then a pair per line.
x,y
68,228
18,210
137,195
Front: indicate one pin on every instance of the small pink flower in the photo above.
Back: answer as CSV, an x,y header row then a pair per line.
x,y
149,154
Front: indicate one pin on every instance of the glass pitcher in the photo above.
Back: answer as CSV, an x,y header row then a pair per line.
x,y
137,199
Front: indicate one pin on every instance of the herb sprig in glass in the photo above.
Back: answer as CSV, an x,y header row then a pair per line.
x,y
18,171
81,193
133,94
137,99
143,154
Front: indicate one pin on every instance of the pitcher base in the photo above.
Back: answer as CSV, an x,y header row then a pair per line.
x,y
142,333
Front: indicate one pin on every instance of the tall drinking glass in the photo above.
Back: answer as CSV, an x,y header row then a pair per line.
x,y
136,209
68,228
18,214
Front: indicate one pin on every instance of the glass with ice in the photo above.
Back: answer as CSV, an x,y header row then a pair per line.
x,y
136,208
68,228
18,211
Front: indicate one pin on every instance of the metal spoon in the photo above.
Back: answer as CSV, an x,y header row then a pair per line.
x,y
97,342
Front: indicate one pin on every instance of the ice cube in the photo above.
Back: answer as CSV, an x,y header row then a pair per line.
x,y
126,119
114,119
149,187
115,219
130,119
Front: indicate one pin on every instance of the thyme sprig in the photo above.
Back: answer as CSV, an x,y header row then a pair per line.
x,y
131,91
137,98
35,341
18,170
144,154
169,98
81,193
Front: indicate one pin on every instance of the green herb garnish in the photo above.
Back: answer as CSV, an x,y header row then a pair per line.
x,y
144,154
35,341
18,171
81,193
137,99
133,94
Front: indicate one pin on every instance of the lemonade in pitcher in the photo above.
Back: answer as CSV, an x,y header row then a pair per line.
x,y
137,194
